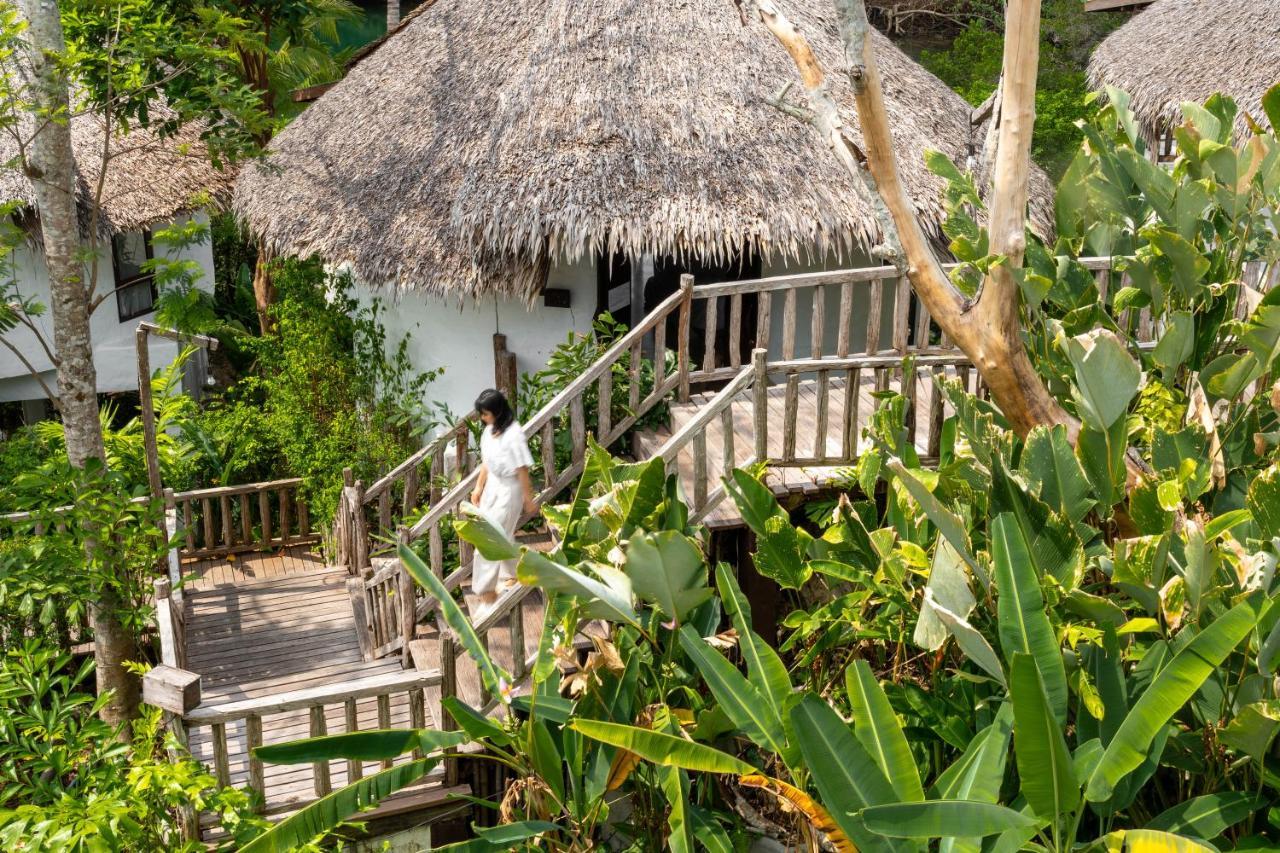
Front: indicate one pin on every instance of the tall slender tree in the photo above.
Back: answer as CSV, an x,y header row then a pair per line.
x,y
50,165
987,326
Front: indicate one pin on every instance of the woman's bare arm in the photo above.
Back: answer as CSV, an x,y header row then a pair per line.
x,y
478,491
527,483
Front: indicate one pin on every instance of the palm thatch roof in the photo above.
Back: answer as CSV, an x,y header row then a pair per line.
x,y
1186,50
148,179
485,138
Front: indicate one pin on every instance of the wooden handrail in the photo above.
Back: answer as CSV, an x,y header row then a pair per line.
x,y
325,694
834,277
605,362
242,489
209,492
557,405
706,413
439,443
810,365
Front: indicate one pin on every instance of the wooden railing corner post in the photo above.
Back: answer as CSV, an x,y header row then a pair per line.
x,y
760,401
448,688
682,335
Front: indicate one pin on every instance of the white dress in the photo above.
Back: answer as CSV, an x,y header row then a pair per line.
x,y
503,499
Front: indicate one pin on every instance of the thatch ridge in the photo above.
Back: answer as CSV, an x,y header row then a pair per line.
x,y
486,135
1186,50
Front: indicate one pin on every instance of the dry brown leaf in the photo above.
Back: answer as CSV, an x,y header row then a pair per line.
x,y
725,640
607,656
806,805
1199,412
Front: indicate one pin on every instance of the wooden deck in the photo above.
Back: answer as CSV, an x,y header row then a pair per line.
x,y
209,572
805,479
258,638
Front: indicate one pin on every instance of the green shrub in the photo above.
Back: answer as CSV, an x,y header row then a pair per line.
x,y
325,393
68,783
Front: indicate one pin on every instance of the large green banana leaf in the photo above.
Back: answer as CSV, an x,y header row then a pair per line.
x,y
876,726
1044,764
328,812
1170,690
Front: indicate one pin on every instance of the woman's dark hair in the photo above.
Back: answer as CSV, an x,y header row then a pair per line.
x,y
492,401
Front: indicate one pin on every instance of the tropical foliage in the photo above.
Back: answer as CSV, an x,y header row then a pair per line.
x,y
67,781
971,63
1036,643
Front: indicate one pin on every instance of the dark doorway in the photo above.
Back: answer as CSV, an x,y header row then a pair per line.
x,y
614,291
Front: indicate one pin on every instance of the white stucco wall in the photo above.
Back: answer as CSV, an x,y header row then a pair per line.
x,y
113,341
459,337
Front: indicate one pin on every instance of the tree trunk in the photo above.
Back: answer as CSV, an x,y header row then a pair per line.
x,y
264,290
51,167
987,329
393,14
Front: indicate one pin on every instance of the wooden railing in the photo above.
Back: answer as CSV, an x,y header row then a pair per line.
x,y
854,299
383,623
314,711
232,519
836,389
622,361
368,517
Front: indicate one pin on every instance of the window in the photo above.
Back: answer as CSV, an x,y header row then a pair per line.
x,y
135,285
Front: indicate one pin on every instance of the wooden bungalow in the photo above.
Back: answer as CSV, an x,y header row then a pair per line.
x,y
1176,51
519,167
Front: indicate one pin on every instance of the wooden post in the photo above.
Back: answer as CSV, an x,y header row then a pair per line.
x,y
359,530
188,820
253,738
408,605
448,687
346,522
700,469
682,335
147,407
760,402
504,367
320,770
173,689
355,767
360,612
169,623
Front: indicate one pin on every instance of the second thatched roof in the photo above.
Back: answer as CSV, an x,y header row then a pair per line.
x,y
488,136
1186,50
148,179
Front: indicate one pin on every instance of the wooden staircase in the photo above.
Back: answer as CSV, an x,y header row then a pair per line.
x,y
799,406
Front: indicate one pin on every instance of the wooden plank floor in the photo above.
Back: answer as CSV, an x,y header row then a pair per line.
x,y
784,481
251,566
263,637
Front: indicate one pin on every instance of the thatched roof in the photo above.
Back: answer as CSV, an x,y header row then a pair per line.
x,y
148,179
1186,50
485,136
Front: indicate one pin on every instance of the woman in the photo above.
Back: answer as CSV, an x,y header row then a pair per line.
x,y
503,491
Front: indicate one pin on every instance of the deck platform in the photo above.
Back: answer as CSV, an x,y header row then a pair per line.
x,y
259,637
209,572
